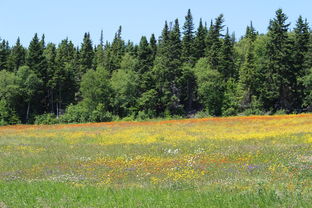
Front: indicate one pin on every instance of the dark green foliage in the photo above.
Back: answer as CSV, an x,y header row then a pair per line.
x,y
214,43
279,75
300,50
115,52
200,41
35,58
9,92
307,83
251,33
168,70
188,51
45,119
226,63
153,45
4,54
86,54
16,57
204,70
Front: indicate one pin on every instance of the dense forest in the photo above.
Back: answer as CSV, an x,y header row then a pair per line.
x,y
187,71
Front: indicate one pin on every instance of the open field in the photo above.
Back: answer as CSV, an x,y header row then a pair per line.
x,y
262,161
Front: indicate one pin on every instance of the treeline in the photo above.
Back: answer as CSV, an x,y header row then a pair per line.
x,y
186,71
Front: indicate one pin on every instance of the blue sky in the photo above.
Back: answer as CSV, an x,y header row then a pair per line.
x,y
59,19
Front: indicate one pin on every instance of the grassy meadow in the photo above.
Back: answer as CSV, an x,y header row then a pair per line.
x,y
258,161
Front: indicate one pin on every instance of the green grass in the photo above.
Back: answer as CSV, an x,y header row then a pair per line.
x,y
52,194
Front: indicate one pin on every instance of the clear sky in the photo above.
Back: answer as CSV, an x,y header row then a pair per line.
x,y
59,19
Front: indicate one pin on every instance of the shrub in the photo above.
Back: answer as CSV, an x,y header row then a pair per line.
x,y
47,118
75,114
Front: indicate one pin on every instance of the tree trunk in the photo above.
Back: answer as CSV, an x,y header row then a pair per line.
x,y
27,113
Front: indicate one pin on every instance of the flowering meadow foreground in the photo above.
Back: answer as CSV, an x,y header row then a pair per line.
x,y
260,161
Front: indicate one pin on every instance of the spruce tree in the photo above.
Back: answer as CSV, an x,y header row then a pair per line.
x,y
145,63
153,46
227,65
17,56
200,41
4,54
276,90
300,49
65,76
117,51
167,70
188,40
86,54
50,55
251,33
35,58
214,43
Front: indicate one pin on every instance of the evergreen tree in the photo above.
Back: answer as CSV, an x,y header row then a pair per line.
x,y
300,49
4,54
168,70
188,39
226,63
50,55
65,82
17,56
35,58
276,90
37,62
99,57
214,43
117,51
153,46
251,33
86,54
145,58
200,41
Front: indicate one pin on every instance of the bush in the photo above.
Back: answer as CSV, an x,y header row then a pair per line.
x,y
75,114
254,108
280,112
80,113
7,114
47,118
100,115
202,114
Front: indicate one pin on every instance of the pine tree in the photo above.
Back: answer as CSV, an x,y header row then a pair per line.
x,y
4,54
17,56
188,40
168,70
276,90
117,51
86,54
200,41
145,63
153,46
251,32
214,43
65,84
227,65
102,39
300,49
35,58
50,55
99,57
